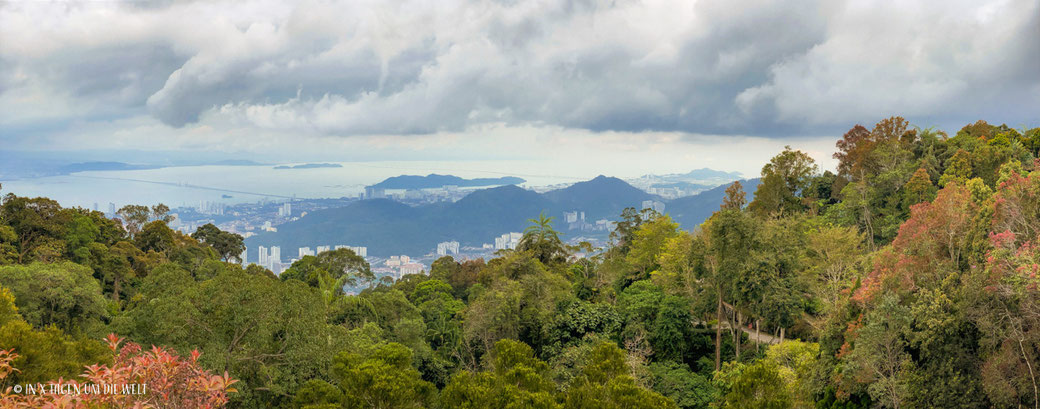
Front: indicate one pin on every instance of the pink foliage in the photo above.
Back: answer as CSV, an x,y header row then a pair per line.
x,y
163,379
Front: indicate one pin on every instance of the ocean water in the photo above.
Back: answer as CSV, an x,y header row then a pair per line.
x,y
189,185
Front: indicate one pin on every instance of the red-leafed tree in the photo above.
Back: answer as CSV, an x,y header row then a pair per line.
x,y
164,379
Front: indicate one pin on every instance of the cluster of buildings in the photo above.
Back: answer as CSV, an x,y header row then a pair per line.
x,y
285,210
271,257
447,247
399,266
447,193
508,241
306,251
654,205
575,220
211,208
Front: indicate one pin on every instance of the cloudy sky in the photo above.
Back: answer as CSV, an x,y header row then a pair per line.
x,y
672,84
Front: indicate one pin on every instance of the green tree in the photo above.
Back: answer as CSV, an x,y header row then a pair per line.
x,y
38,227
606,383
958,168
43,354
228,245
784,179
516,380
542,241
64,294
753,386
385,379
134,217
918,189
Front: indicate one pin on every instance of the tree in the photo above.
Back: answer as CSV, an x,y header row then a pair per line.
x,y
624,231
516,380
723,251
753,386
384,379
38,226
735,197
43,354
133,217
605,383
879,357
542,241
958,169
228,245
671,333
688,389
784,178
918,189
648,242
833,254
156,236
172,382
160,212
64,294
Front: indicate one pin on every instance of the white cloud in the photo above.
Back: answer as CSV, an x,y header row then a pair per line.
x,y
366,67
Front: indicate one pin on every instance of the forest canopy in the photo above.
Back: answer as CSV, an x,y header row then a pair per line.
x,y
905,278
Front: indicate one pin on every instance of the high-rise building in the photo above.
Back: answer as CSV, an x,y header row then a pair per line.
x,y
262,256
276,255
322,249
111,209
508,240
653,204
285,210
361,250
447,247
374,193
305,251
242,257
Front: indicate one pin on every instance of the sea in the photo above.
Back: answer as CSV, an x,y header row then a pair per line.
x,y
192,185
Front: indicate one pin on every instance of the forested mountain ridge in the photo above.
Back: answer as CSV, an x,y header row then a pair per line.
x,y
906,279
386,228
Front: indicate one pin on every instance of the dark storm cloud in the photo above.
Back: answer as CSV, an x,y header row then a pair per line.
x,y
344,68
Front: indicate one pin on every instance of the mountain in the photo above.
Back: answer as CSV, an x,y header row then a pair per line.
x,y
602,197
691,211
707,174
388,228
434,180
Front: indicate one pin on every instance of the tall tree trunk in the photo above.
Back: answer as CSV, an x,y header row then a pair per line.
x,y
1032,377
718,335
781,334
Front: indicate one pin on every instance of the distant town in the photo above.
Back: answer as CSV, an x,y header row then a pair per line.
x,y
267,215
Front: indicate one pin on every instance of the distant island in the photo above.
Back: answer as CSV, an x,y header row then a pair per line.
x,y
310,166
433,180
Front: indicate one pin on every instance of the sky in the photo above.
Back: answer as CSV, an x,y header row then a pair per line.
x,y
669,85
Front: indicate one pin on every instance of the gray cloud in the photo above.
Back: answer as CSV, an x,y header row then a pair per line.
x,y
751,67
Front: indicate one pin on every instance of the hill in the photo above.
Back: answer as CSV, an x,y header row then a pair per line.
x,y
434,180
388,228
602,197
691,211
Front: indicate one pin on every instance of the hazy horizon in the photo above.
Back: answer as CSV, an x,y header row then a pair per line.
x,y
614,86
